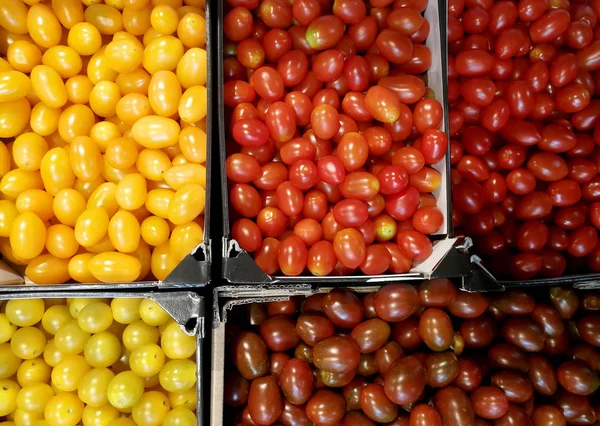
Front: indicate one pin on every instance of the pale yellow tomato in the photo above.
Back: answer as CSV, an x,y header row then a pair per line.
x,y
192,30
6,329
164,19
136,81
191,69
56,172
61,242
186,399
95,317
33,398
104,97
28,342
28,151
77,304
9,390
14,117
8,213
147,360
44,120
14,85
34,371
180,417
52,355
94,385
164,93
136,20
122,421
64,409
70,339
138,334
151,409
86,158
193,104
115,267
55,317
186,204
125,310
13,17
67,374
68,12
99,68
108,20
124,231
155,132
153,164
125,390
185,238
79,268
132,107
25,418
9,361
43,26
131,191
48,86
176,343
162,53
104,196
178,375
91,226
36,201
24,55
155,230
64,60
79,88
28,235
102,350
68,205
99,416
124,55
25,312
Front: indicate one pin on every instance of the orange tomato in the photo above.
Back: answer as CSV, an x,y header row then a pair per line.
x,y
156,132
68,205
153,164
14,117
64,60
48,269
24,55
68,12
133,106
164,93
134,82
191,69
124,55
44,120
79,88
84,38
86,158
121,153
28,235
91,226
14,85
115,267
13,16
155,230
162,53
56,171
79,269
192,30
37,201
48,86
61,242
43,26
124,231
136,20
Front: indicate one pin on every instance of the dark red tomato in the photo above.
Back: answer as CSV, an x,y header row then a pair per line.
x,y
549,26
306,11
476,140
427,114
326,407
303,174
588,58
553,264
411,159
495,188
579,35
473,168
395,47
572,98
478,91
521,132
535,205
310,85
247,234
363,33
324,32
238,24
242,168
292,256
380,67
511,156
570,218
382,104
405,20
588,118
475,20
563,70
474,63
271,221
353,151
315,205
350,248
250,133
268,84
408,88
468,197
454,407
547,166
582,170
434,145
582,241
532,236
245,200
524,266
350,213
297,40
489,402
420,61
503,15
557,138
520,99
564,193
509,43
538,75
302,106
403,205
360,186
392,179
530,10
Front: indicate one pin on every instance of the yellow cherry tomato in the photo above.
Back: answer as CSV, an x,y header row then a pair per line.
x,y
68,205
52,356
102,350
70,339
104,196
180,417
136,81
185,238
94,386
99,68
178,375
193,104
191,69
124,55
162,53
132,107
28,235
152,313
64,60
153,164
84,38
6,329
99,416
164,93
125,310
131,191
48,86
79,268
79,88
56,171
86,158
125,390
24,418
14,85
64,409
33,371
13,16
67,374
24,55
108,20
55,317
179,176
91,226
136,20
25,312
104,97
36,201
14,117
124,231
28,342
155,132
164,19
8,213
138,334
44,120
155,230
68,12
115,267
158,202
33,398
76,120
18,181
192,30
61,242
186,204
8,396
9,361
147,360
177,344
43,26
151,409
77,304
192,142
28,151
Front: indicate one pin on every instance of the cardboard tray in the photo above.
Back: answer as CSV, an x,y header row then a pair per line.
x,y
194,269
186,308
238,265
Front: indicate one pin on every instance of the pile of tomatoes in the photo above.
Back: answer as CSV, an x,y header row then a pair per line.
x,y
103,117
333,136
426,356
524,123
119,362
